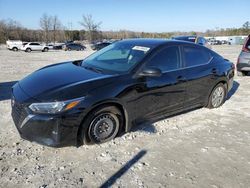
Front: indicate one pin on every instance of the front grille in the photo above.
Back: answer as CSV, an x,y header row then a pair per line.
x,y
19,113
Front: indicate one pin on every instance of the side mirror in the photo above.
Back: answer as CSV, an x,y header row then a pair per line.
x,y
151,72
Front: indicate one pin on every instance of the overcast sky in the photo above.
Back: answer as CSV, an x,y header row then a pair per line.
x,y
136,15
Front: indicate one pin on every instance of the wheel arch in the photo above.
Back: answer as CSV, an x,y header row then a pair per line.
x,y
224,82
14,47
28,48
81,139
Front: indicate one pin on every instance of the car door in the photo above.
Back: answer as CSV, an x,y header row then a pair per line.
x,y
35,46
31,46
39,46
199,74
158,95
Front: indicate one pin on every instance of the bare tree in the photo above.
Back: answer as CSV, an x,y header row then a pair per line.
x,y
46,25
56,27
92,28
246,25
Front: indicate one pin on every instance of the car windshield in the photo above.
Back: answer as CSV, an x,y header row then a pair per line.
x,y
116,58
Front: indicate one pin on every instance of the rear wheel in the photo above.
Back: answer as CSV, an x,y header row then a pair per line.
x,y
217,96
103,124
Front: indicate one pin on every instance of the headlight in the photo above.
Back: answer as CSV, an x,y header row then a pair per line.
x,y
54,107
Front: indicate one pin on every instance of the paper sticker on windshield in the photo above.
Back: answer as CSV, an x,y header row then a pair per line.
x,y
141,48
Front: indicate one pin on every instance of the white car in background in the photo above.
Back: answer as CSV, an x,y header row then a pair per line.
x,y
15,45
34,46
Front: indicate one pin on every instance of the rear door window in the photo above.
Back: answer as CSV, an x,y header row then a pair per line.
x,y
194,56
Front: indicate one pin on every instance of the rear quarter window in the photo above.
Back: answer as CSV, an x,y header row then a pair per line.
x,y
194,56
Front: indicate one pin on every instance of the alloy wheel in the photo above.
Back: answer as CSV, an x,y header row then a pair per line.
x,y
218,96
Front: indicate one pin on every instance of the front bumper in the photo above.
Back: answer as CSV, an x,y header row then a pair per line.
x,y
50,130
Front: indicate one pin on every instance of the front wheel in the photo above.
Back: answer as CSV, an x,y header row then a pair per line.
x,y
217,96
104,124
45,50
28,50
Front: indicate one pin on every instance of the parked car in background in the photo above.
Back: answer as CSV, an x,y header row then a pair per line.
x,y
243,63
100,45
34,46
14,45
224,42
195,39
58,46
51,46
130,81
73,46
214,42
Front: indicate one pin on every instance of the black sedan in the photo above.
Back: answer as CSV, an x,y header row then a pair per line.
x,y
130,81
73,46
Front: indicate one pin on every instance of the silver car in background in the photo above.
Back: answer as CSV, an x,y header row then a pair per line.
x,y
243,63
195,39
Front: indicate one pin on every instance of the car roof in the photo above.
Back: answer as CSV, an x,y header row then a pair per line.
x,y
185,37
152,43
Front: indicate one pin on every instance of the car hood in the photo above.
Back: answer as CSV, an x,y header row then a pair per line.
x,y
58,79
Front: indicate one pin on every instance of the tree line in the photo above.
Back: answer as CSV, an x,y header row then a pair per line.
x,y
52,30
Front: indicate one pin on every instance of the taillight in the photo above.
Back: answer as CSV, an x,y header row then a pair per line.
x,y
244,49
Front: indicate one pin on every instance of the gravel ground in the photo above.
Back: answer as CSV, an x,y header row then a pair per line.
x,y
202,148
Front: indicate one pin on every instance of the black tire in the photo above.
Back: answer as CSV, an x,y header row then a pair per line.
x,y
15,49
45,50
241,73
28,50
214,100
69,49
103,124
